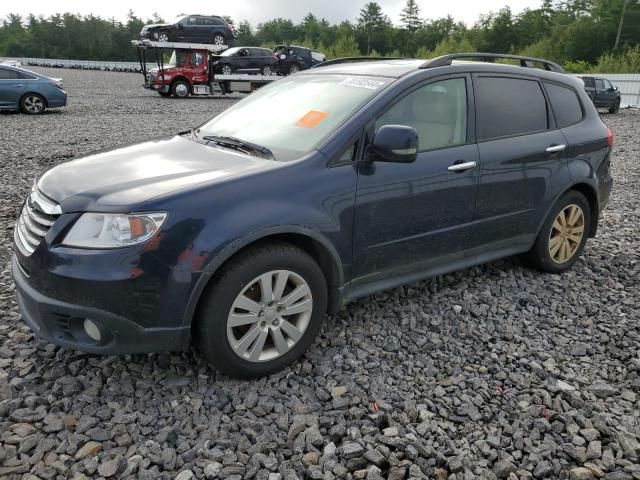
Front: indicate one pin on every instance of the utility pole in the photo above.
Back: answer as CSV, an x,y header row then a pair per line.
x,y
624,9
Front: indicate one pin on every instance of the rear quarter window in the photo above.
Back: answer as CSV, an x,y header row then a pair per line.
x,y
565,104
509,107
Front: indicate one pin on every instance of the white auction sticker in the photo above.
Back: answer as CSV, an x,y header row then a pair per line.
x,y
362,83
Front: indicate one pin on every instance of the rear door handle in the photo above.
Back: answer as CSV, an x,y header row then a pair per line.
x,y
461,167
556,148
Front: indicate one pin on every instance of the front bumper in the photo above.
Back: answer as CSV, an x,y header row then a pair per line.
x,y
61,323
157,88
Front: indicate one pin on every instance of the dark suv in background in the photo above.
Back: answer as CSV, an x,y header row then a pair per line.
x,y
244,60
320,188
602,93
210,29
292,59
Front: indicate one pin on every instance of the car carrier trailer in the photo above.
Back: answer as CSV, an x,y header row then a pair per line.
x,y
189,70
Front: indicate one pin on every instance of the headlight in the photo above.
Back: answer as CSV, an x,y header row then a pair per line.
x,y
108,230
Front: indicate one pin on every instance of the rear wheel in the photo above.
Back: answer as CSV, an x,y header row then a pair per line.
x,y
218,39
563,236
180,89
32,104
263,311
294,68
267,70
615,108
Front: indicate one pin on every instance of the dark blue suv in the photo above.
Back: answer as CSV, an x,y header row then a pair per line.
x,y
239,235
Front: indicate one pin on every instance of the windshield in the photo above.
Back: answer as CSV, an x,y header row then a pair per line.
x,y
292,116
177,59
230,51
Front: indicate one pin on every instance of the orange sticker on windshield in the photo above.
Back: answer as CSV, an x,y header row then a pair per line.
x,y
311,119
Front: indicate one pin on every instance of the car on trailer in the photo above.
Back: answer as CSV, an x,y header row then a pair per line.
x,y
238,236
293,59
251,60
211,29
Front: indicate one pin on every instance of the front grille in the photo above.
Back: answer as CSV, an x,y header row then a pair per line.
x,y
37,216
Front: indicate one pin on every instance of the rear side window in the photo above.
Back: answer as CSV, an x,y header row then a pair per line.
x,y
509,106
565,104
6,74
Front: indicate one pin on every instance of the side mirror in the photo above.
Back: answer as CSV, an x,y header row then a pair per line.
x,y
615,89
396,143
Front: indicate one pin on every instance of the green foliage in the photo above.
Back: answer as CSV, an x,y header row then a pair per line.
x,y
580,34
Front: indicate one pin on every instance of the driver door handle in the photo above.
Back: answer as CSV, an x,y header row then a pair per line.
x,y
461,167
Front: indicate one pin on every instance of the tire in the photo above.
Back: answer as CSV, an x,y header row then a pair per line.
x,y
218,39
33,104
180,89
615,108
294,68
267,70
164,37
226,69
557,249
219,342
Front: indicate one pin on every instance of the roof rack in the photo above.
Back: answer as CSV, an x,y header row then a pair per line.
x,y
528,62
337,61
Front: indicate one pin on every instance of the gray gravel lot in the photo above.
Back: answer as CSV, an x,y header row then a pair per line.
x,y
491,372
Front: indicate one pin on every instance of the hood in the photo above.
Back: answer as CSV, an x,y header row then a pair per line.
x,y
155,25
120,179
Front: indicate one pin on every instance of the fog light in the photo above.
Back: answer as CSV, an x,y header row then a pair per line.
x,y
91,329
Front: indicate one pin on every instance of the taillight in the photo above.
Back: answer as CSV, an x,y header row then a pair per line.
x,y
230,27
610,137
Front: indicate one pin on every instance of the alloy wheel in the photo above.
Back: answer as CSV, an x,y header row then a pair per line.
x,y
218,40
226,70
267,71
163,37
269,316
33,104
566,234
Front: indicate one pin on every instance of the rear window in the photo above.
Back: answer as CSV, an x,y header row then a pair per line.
x,y
509,106
565,104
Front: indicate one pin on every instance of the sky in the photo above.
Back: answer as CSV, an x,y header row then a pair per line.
x,y
256,11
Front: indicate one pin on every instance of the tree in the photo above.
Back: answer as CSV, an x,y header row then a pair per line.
x,y
371,21
410,16
244,34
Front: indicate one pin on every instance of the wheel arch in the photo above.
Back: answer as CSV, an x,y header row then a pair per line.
x,y
180,77
311,242
587,189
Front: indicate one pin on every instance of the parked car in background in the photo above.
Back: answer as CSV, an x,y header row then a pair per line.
x,y
239,235
602,93
30,92
292,59
11,63
211,29
244,60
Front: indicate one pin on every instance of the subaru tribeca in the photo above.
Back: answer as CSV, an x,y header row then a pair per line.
x,y
240,235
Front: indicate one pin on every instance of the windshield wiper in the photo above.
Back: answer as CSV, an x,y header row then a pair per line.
x,y
240,145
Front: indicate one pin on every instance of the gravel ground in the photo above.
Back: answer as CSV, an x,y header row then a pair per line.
x,y
492,372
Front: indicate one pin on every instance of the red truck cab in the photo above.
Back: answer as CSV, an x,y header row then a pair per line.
x,y
185,69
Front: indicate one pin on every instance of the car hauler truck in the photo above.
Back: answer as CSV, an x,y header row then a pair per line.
x,y
185,69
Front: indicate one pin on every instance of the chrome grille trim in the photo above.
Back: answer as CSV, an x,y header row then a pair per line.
x,y
37,216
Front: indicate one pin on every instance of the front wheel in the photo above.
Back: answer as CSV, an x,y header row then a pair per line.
x,y
226,70
163,37
180,89
615,108
563,235
262,312
32,104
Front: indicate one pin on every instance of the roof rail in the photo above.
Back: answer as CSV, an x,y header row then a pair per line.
x,y
490,57
336,61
